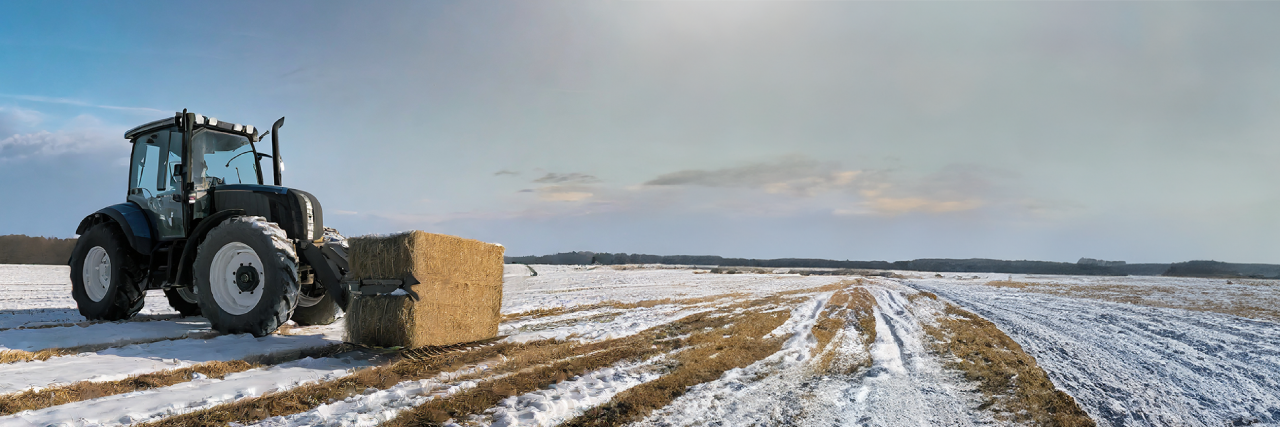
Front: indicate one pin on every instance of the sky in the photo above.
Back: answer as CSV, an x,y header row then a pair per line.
x,y
1135,131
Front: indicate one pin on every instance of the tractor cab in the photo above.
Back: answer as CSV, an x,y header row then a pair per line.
x,y
161,166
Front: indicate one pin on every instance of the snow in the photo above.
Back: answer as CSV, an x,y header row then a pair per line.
x,y
376,406
782,389
1133,351
597,325
102,334
121,362
1136,365
570,398
38,295
151,405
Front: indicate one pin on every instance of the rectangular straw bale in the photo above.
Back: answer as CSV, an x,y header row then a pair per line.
x,y
460,290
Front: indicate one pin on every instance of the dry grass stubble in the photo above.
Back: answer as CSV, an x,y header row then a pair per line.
x,y
715,344
14,356
1014,385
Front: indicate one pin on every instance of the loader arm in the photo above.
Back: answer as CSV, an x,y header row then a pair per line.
x,y
330,265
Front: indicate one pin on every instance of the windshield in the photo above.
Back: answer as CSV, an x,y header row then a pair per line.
x,y
222,158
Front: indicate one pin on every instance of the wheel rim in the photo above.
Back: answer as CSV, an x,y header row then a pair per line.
x,y
223,283
305,300
188,294
96,273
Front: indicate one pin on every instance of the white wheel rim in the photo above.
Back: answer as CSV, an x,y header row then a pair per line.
x,y
222,278
96,273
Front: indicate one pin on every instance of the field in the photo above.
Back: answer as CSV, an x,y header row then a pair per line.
x,y
680,346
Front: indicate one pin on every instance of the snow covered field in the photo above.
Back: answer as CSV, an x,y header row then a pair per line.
x,y
1141,363
1131,351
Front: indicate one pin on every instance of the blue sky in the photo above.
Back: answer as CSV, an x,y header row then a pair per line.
x,y
1143,132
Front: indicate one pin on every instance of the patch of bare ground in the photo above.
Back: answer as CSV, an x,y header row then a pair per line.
x,y
1015,387
85,390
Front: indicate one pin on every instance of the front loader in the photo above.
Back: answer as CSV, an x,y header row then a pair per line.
x,y
199,223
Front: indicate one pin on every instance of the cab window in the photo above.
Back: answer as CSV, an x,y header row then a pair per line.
x,y
222,158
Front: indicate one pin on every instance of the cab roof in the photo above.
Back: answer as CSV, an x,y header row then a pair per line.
x,y
200,121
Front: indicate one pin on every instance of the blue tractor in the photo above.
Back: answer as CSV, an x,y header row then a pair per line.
x,y
199,223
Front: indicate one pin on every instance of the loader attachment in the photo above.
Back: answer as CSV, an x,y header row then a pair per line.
x,y
384,286
330,265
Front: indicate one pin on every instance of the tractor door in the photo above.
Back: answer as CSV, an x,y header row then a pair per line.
x,y
155,182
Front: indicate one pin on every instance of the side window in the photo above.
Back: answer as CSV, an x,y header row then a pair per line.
x,y
173,158
145,165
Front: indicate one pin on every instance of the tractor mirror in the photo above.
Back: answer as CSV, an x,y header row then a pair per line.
x,y
177,169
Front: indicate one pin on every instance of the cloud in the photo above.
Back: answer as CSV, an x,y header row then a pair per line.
x,y
567,196
79,103
12,119
505,172
561,193
891,206
812,184
82,134
753,175
567,178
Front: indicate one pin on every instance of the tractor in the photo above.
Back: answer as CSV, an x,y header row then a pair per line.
x,y
199,223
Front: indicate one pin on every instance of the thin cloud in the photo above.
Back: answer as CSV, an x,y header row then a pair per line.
x,y
82,134
754,175
891,206
505,172
79,103
567,178
46,143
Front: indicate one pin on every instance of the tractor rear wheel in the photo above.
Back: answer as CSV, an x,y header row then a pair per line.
x,y
246,276
184,300
104,281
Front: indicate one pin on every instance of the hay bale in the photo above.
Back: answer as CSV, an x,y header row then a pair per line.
x,y
460,290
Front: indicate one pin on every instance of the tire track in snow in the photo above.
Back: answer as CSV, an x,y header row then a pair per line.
x,y
1132,365
906,385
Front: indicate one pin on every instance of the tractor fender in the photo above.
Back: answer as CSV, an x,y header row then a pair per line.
x,y
183,272
131,219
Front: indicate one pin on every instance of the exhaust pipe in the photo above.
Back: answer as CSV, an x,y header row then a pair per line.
x,y
275,148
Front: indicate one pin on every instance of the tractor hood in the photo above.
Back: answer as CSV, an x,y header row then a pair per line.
x,y
296,211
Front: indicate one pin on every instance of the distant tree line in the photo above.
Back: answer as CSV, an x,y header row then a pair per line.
x,y
1086,266
23,249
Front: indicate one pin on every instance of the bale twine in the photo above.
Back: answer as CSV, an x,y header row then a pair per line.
x,y
460,290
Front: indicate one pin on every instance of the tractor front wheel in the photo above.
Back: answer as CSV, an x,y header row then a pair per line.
x,y
246,276
103,281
